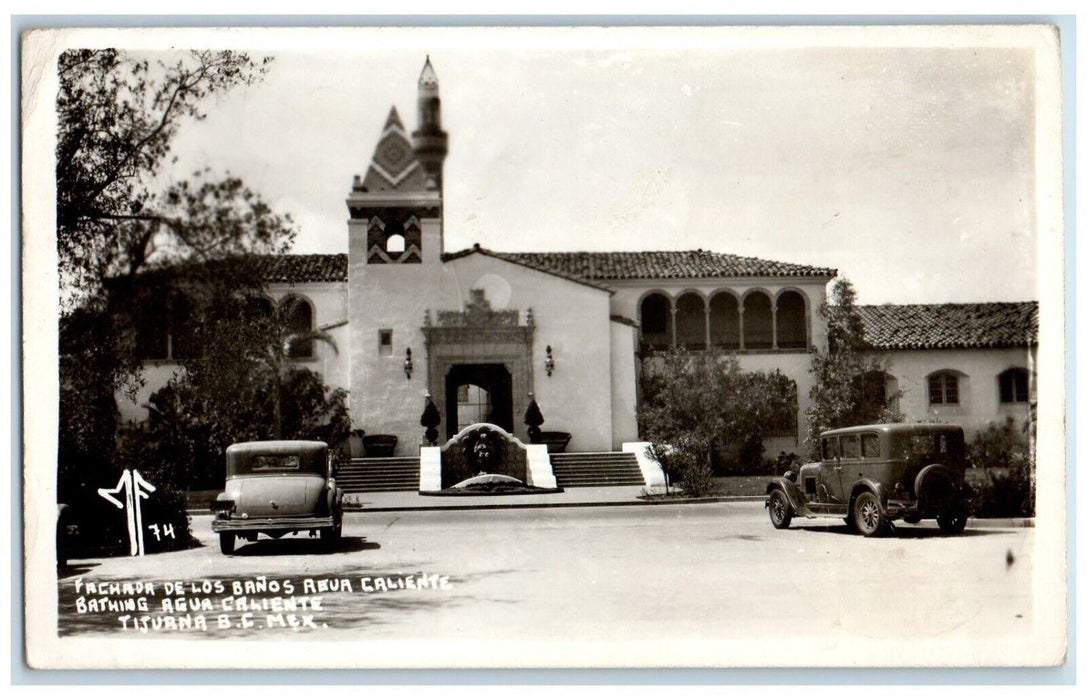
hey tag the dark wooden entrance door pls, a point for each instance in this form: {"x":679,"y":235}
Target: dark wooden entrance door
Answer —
{"x":494,"y":379}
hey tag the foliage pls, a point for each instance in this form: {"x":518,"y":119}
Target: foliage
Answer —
{"x":118,"y":210}
{"x":1005,"y":455}
{"x":190,"y":428}
{"x":245,"y":346}
{"x":242,"y":385}
{"x":534,"y":419}
{"x":692,"y":403}
{"x":848,"y":382}
{"x":128,"y":231}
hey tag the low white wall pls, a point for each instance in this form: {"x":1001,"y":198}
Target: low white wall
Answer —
{"x":540,"y":472}
{"x":430,"y":468}
{"x":651,"y":468}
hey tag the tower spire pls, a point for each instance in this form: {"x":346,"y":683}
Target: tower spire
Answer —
{"x":429,"y":141}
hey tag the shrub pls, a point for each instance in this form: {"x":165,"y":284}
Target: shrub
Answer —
{"x":190,"y":427}
{"x":1004,"y":455}
{"x":685,"y":466}
{"x":698,"y":410}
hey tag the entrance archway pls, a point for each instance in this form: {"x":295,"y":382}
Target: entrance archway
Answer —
{"x":492,"y":378}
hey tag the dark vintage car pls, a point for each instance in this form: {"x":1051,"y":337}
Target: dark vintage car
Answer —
{"x":872,"y":475}
{"x":277,"y":488}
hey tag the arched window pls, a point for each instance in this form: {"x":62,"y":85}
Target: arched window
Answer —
{"x":725,"y":321}
{"x":691,"y":322}
{"x":656,"y":321}
{"x":394,"y":244}
{"x":943,"y":389}
{"x":298,"y":317}
{"x":1014,"y":385}
{"x":758,"y":322}
{"x":792,"y":324}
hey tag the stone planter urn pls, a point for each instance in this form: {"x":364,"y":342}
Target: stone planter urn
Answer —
{"x":379,"y":445}
{"x":555,"y":440}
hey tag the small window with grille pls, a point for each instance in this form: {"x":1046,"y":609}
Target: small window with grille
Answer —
{"x":943,"y":389}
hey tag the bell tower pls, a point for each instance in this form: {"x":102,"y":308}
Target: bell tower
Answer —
{"x":394,"y":271}
{"x":430,"y":142}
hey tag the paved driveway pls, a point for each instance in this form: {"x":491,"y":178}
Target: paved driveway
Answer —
{"x":640,"y":574}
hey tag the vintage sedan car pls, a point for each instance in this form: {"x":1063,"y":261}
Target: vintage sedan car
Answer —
{"x":872,"y":475}
{"x":277,"y":488}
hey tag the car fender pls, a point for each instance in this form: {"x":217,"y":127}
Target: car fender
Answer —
{"x":792,"y":492}
{"x":862,"y":485}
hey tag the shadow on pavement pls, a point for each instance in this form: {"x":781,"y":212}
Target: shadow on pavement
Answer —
{"x":903,"y":532}
{"x":301,"y":545}
{"x":74,"y":570}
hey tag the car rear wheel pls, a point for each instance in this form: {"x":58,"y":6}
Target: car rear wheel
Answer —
{"x":952,"y":523}
{"x":868,"y":516}
{"x":226,"y":542}
{"x":781,"y":513}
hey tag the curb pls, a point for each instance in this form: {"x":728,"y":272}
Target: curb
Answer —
{"x":579,"y":504}
{"x":972,"y":522}
{"x":1000,"y":522}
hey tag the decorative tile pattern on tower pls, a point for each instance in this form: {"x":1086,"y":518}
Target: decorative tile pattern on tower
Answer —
{"x":394,"y":167}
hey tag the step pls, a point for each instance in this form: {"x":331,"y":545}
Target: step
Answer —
{"x":370,"y":472}
{"x":586,"y":469}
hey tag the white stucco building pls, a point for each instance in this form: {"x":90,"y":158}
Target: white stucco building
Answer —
{"x":482,"y":332}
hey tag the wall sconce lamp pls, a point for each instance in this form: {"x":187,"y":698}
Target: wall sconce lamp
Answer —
{"x":408,"y":365}
{"x":549,"y":363}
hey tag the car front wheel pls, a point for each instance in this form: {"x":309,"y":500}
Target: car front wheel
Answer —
{"x":781,"y":513}
{"x":330,"y":536}
{"x":952,"y":523}
{"x":868,"y":516}
{"x":226,"y":542}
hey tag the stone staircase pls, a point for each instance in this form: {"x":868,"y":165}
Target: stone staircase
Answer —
{"x":576,"y":469}
{"x":379,"y":474}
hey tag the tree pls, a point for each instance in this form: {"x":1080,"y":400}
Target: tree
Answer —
{"x":128,"y":229}
{"x":242,"y":385}
{"x":849,"y":382}
{"x":692,"y":403}
{"x":118,"y":210}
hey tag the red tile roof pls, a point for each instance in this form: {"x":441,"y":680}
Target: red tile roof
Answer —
{"x":304,"y":268}
{"x":666,"y":264}
{"x":517,"y":259}
{"x":589,"y":268}
{"x":938,"y":326}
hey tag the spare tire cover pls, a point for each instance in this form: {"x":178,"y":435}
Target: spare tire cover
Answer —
{"x":935,"y":488}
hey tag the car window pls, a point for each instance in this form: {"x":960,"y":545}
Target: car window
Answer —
{"x":870,"y":445}
{"x":274,"y":463}
{"x":929,"y":445}
{"x":830,"y":448}
{"x":851,"y":446}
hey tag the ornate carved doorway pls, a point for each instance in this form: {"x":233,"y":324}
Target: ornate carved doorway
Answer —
{"x":487,"y":349}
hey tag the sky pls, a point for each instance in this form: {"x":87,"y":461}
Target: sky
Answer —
{"x":909,"y":170}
